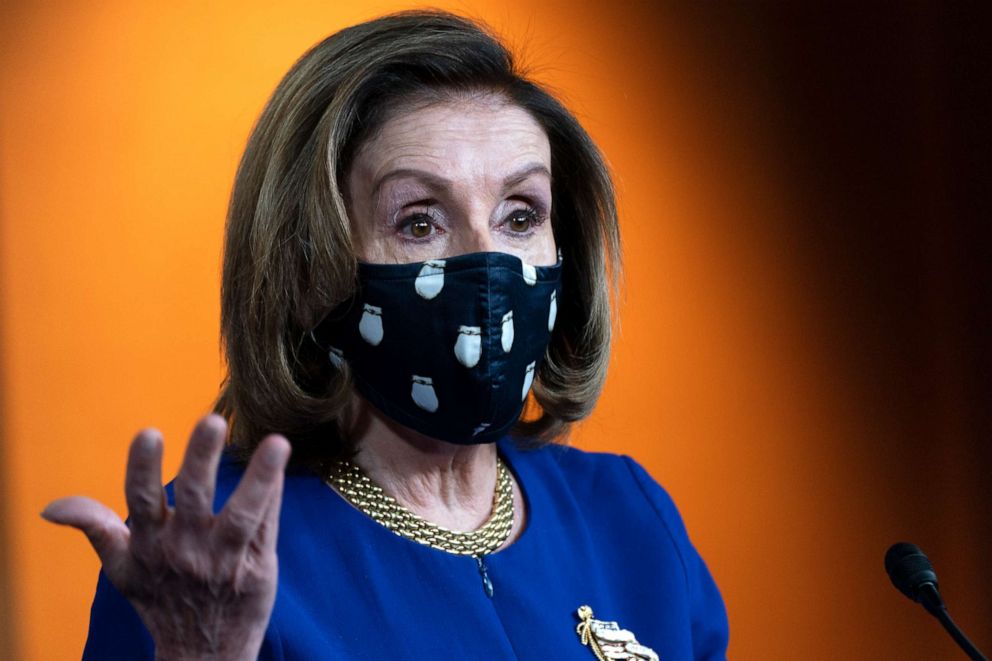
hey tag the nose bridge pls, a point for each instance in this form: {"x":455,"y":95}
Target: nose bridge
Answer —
{"x":480,"y":239}
{"x":477,"y":235}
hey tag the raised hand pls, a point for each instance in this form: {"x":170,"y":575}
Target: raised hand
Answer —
{"x":203,"y":584}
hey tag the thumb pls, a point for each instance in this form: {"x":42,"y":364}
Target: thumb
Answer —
{"x":108,"y":535}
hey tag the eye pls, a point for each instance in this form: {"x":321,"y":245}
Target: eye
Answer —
{"x":521,"y":220}
{"x":420,"y":228}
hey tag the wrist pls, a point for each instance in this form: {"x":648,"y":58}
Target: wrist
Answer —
{"x":246,"y":651}
{"x":190,"y":655}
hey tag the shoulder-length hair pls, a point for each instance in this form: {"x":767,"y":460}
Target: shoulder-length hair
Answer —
{"x":289,"y":256}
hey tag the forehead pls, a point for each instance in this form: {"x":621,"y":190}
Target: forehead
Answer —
{"x":476,"y":139}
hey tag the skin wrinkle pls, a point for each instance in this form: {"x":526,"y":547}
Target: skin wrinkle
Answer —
{"x":452,"y":148}
{"x":198,"y":597}
{"x":444,"y":184}
{"x":208,"y":617}
{"x":272,"y":249}
{"x":477,"y":147}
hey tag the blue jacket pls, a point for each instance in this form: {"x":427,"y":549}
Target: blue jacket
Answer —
{"x":600,"y":532}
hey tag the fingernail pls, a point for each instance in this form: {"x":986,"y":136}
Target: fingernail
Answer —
{"x":213,"y":424}
{"x":274,"y":455}
{"x":150,"y":439}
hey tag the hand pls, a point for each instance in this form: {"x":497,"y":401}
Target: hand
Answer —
{"x":203,"y":584}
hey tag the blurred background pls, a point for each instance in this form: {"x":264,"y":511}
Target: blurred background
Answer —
{"x":803,"y":360}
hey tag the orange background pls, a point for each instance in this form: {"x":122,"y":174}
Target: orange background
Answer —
{"x":800,"y":353}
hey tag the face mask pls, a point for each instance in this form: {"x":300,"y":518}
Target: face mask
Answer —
{"x":447,"y":347}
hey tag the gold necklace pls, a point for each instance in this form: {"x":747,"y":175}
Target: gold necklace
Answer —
{"x":358,"y":489}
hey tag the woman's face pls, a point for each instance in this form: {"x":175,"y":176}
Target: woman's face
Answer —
{"x":471,"y":175}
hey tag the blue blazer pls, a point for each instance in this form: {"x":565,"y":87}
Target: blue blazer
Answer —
{"x":600,"y":532}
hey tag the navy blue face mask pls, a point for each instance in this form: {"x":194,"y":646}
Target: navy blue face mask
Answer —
{"x":447,"y":347}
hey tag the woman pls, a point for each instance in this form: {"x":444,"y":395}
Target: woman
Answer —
{"x":420,"y":242}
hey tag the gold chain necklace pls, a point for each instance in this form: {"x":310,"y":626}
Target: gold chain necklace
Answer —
{"x":352,"y":482}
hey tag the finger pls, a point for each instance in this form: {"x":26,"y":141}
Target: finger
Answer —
{"x":143,"y":490}
{"x":249,"y":505}
{"x":197,"y":478}
{"x":107,"y":533}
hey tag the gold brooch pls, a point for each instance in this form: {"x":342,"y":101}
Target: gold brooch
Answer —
{"x":608,"y":641}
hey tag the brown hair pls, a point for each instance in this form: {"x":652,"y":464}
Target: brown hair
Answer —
{"x":289,"y":256}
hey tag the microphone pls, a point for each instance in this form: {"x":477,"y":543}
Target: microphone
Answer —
{"x":911,"y":572}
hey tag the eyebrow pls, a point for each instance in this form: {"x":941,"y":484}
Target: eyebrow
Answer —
{"x":441,"y":183}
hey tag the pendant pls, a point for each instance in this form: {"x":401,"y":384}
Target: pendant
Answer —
{"x":487,"y":584}
{"x":608,"y":641}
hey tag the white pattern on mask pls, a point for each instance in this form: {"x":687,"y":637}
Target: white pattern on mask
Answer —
{"x":430,"y":280}
{"x":422,"y":393}
{"x":468,"y":346}
{"x":529,"y":273}
{"x":371,"y":325}
{"x":336,"y":356}
{"x":506,"y":338}
{"x":528,"y":380}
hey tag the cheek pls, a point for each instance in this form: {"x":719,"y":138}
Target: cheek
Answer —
{"x":539,"y":249}
{"x":368,"y":246}
{"x":390,"y":250}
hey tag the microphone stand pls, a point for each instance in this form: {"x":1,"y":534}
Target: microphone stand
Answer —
{"x":931,"y":600}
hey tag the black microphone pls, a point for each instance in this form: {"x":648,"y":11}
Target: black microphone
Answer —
{"x":911,"y":572}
